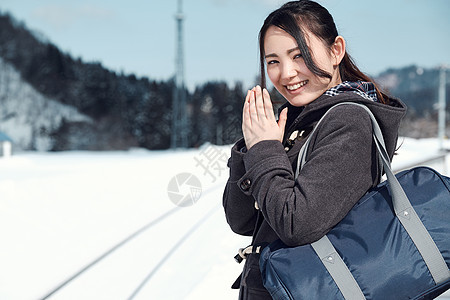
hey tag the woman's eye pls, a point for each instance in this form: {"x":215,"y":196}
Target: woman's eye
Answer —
{"x":298,"y":56}
{"x":271,"y":62}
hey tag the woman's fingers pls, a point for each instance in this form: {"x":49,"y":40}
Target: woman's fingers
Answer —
{"x":252,"y":106}
{"x":282,"y":121}
{"x":260,"y":103}
{"x":259,"y":121}
{"x":268,"y":106}
{"x":246,"y":111}
{"x":264,"y":106}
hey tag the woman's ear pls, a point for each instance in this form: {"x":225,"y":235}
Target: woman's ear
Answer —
{"x":338,"y":49}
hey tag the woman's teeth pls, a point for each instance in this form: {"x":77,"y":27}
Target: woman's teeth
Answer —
{"x":296,"y":86}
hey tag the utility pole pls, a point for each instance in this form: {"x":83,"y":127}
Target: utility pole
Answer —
{"x":442,"y":107}
{"x":179,"y":108}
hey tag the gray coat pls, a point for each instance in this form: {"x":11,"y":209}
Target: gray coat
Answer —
{"x":341,"y":166}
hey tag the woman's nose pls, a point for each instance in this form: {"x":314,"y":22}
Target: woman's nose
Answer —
{"x":289,"y":70}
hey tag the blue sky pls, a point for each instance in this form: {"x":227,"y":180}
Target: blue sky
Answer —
{"x":138,"y":36}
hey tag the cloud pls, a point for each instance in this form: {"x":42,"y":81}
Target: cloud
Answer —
{"x":96,"y":12}
{"x":64,"y":16}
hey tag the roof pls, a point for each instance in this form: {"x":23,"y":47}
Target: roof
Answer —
{"x":4,"y":137}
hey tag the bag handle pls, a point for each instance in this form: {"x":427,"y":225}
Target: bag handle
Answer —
{"x":402,"y":206}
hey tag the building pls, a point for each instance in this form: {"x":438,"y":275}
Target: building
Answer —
{"x":5,"y":145}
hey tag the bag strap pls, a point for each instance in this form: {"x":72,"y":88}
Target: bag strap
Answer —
{"x":338,"y":270}
{"x":301,"y":158}
{"x":402,"y":207}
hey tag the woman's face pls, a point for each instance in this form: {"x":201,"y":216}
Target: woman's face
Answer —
{"x":288,"y":71}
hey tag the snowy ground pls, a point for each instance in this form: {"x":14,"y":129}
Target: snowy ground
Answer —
{"x":60,"y":212}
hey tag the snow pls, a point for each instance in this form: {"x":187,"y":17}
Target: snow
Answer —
{"x":59,"y":212}
{"x":29,"y":116}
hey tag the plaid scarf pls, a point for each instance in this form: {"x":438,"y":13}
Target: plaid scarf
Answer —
{"x":362,"y":88}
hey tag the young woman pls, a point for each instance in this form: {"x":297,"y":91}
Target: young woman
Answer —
{"x":307,"y":62}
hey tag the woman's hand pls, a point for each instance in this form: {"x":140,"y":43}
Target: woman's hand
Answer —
{"x":258,"y":119}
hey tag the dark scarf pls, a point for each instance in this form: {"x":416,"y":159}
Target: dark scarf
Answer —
{"x":364,"y":89}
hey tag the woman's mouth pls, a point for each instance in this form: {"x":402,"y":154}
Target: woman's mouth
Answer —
{"x":297,"y":85}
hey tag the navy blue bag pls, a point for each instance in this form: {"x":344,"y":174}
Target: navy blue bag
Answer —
{"x":393,"y":244}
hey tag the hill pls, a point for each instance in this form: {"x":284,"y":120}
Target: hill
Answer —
{"x":418,"y":88}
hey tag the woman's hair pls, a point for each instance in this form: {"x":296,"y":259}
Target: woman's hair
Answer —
{"x":293,"y":17}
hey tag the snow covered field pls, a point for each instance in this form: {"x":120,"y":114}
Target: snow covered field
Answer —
{"x":108,"y":221}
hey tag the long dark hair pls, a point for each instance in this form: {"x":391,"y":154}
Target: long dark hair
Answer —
{"x":294,"y":15}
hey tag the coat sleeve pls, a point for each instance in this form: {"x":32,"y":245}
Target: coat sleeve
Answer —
{"x":337,"y":173}
{"x":239,"y":207}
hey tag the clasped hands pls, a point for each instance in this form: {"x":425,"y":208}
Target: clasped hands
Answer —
{"x":258,"y":119}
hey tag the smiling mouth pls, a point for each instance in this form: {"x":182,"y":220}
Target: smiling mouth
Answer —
{"x":296,"y":86}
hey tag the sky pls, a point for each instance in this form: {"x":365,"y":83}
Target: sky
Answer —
{"x":220,"y":36}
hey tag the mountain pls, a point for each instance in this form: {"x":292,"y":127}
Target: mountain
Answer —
{"x":123,"y":111}
{"x":416,"y":86}
{"x":419,"y":89}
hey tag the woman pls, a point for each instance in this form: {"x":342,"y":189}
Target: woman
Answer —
{"x":307,"y":63}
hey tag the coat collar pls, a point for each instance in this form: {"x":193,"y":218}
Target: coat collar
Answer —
{"x":307,"y":116}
